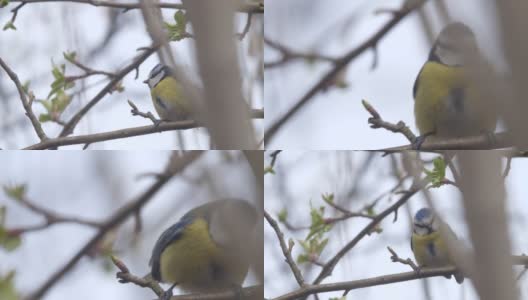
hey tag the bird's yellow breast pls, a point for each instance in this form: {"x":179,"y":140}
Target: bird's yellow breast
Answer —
{"x":198,"y":264}
{"x":169,"y":100}
{"x":435,"y":83}
{"x":189,"y":257}
{"x":430,"y":250}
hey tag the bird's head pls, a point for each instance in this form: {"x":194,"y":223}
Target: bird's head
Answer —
{"x":425,"y":222}
{"x":156,"y":75}
{"x":453,"y":45}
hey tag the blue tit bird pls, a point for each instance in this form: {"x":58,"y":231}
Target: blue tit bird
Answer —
{"x":446,"y":103}
{"x":429,"y":247}
{"x":207,"y":249}
{"x":168,"y":95}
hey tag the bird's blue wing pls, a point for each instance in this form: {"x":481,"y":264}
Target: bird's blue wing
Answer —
{"x":170,"y":235}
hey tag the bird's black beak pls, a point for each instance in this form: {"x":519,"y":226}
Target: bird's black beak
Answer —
{"x":145,"y":81}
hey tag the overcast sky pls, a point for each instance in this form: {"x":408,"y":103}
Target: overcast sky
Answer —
{"x":93,"y":185}
{"x":302,"y":177}
{"x":336,"y":119}
{"x":46,"y":30}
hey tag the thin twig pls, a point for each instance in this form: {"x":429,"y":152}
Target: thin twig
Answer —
{"x":25,"y":102}
{"x":330,"y":265}
{"x":377,"y":122}
{"x":395,"y":258}
{"x":285,"y":249}
{"x":124,"y":276}
{"x":246,"y":28}
{"x":51,"y":218}
{"x":122,"y":133}
{"x":364,"y":283}
{"x":290,"y":55}
{"x":479,"y":142}
{"x":70,"y":125}
{"x":338,"y":67}
{"x":257,"y":8}
{"x":176,"y":165}
{"x":148,"y":115}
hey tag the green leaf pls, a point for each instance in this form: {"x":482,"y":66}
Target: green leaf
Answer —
{"x":9,"y":25}
{"x":4,"y":3}
{"x":9,"y":240}
{"x":312,"y":249}
{"x":302,"y":258}
{"x":44,"y":118}
{"x":69,"y":56}
{"x":177,"y":30}
{"x":60,"y":102}
{"x":437,"y":175}
{"x":15,"y":192}
{"x":283,"y":215}
{"x":179,"y":18}
{"x":318,"y":224}
{"x":7,"y":287}
{"x":328,"y":198}
{"x":46,"y":103}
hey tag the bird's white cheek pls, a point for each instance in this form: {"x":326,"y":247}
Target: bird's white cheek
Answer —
{"x":152,"y":82}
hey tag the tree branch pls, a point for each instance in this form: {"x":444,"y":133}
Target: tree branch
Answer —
{"x":246,"y":7}
{"x":330,"y":265}
{"x":70,"y":125}
{"x":340,"y":65}
{"x":285,"y":250}
{"x":176,"y":165}
{"x":479,"y":142}
{"x":124,"y":276}
{"x":123,"y":133}
{"x":51,"y":218}
{"x":379,"y":280}
{"x":289,"y":55}
{"x":25,"y":102}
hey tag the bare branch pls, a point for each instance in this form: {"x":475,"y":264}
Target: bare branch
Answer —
{"x":330,"y":265}
{"x":123,"y":133}
{"x":395,"y":258}
{"x":70,"y":125}
{"x":343,"y":62}
{"x":246,"y":7}
{"x":285,"y":250}
{"x":290,"y":55}
{"x":380,"y":280}
{"x":176,"y":165}
{"x":479,"y":142}
{"x":25,"y":102}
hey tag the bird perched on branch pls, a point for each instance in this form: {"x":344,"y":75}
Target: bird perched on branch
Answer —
{"x":168,"y":95}
{"x":208,"y":249}
{"x":429,"y":246}
{"x":447,"y":102}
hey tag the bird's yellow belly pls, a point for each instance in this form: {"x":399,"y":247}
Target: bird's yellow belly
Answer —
{"x":430,"y":250}
{"x":197,"y":264}
{"x":446,"y":106}
{"x":169,"y":100}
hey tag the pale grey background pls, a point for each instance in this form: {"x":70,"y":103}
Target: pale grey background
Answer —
{"x":303,"y":176}
{"x":94,"y":185}
{"x":336,"y":119}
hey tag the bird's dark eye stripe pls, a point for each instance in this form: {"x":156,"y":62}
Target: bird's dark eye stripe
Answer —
{"x":157,"y":69}
{"x":421,"y":225}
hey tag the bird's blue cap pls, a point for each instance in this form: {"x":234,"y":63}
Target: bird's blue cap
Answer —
{"x":423,"y":213}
